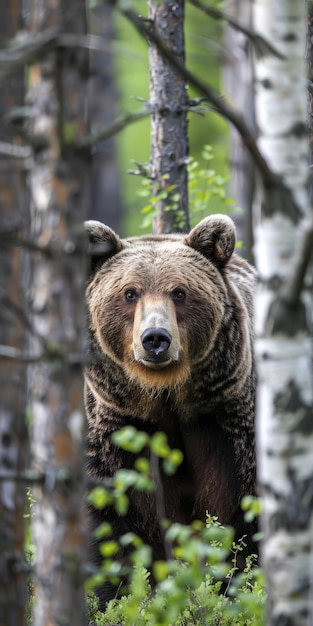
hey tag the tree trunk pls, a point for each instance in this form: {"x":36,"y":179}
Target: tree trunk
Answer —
{"x":60,"y":192}
{"x":239,"y":90}
{"x":284,"y":307}
{"x":309,"y":40}
{"x":106,"y":197}
{"x":13,"y":284}
{"x":169,"y":102}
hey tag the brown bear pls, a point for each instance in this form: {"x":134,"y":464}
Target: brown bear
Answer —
{"x":171,"y":320}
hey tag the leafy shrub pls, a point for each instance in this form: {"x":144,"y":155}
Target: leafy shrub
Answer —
{"x":197,"y":585}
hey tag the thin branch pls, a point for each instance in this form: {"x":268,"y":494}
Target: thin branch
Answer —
{"x":25,"y":49}
{"x":15,"y":151}
{"x":54,"y":476}
{"x":262,"y":46}
{"x":293,"y":287}
{"x":91,"y":42}
{"x":160,"y":504}
{"x":143,"y":170}
{"x":28,"y":47}
{"x":130,"y":118}
{"x":50,"y":353}
{"x":14,"y":354}
{"x":10,"y":238}
{"x":114,"y":128}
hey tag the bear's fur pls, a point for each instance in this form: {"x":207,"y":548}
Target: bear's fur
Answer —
{"x":171,"y":317}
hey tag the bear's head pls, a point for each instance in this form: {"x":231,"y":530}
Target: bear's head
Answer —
{"x":156,"y":303}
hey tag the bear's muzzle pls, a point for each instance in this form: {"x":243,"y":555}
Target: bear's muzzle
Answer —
{"x":156,"y":342}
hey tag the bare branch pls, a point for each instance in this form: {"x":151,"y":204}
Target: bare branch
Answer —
{"x":27,"y":48}
{"x":294,"y":285}
{"x":130,"y":118}
{"x":60,"y":475}
{"x":261,"y":46}
{"x":15,"y":151}
{"x":9,"y":238}
{"x":143,"y":170}
{"x":72,"y":358}
{"x":114,"y":128}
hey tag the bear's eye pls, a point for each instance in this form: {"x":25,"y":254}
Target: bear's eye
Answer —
{"x":179,"y":295}
{"x":130,"y":295}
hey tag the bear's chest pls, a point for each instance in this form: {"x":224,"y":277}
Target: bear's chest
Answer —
{"x":208,"y":471}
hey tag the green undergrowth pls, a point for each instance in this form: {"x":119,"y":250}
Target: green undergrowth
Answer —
{"x":181,"y":599}
{"x":199,"y":584}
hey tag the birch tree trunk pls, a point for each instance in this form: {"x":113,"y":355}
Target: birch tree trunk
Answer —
{"x":284,"y":309}
{"x":169,"y":103}
{"x":238,"y":77}
{"x":60,"y":192}
{"x":13,"y":283}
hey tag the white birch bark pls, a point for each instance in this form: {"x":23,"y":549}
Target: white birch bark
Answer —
{"x":284,"y":309}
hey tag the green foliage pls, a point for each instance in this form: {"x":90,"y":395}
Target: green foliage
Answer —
{"x":197,"y":585}
{"x":186,"y":595}
{"x":155,"y":195}
{"x":206,"y":188}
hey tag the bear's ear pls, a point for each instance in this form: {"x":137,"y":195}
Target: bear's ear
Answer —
{"x":214,"y":237}
{"x":103,"y":243}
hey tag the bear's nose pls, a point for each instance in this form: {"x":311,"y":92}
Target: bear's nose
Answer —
{"x":156,"y":340}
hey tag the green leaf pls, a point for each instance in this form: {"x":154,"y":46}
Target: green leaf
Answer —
{"x":122,"y":504}
{"x":108,"y":548}
{"x":104,"y":530}
{"x":143,"y":193}
{"x":160,"y":570}
{"x":142,"y":465}
{"x":142,"y":555}
{"x":125,"y":478}
{"x":94,"y":581}
{"x":130,"y":439}
{"x":99,"y":497}
{"x":69,"y":132}
{"x":159,"y":445}
{"x":147,"y":209}
{"x":130,"y":539}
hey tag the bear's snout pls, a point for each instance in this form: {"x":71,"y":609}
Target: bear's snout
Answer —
{"x":156,"y":341}
{"x":156,"y":337}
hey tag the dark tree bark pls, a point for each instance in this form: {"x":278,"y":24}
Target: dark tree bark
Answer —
{"x":13,"y":284}
{"x":60,"y":193}
{"x":169,"y":102}
{"x":310,"y":92}
{"x":239,"y":90}
{"x":106,"y":197}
